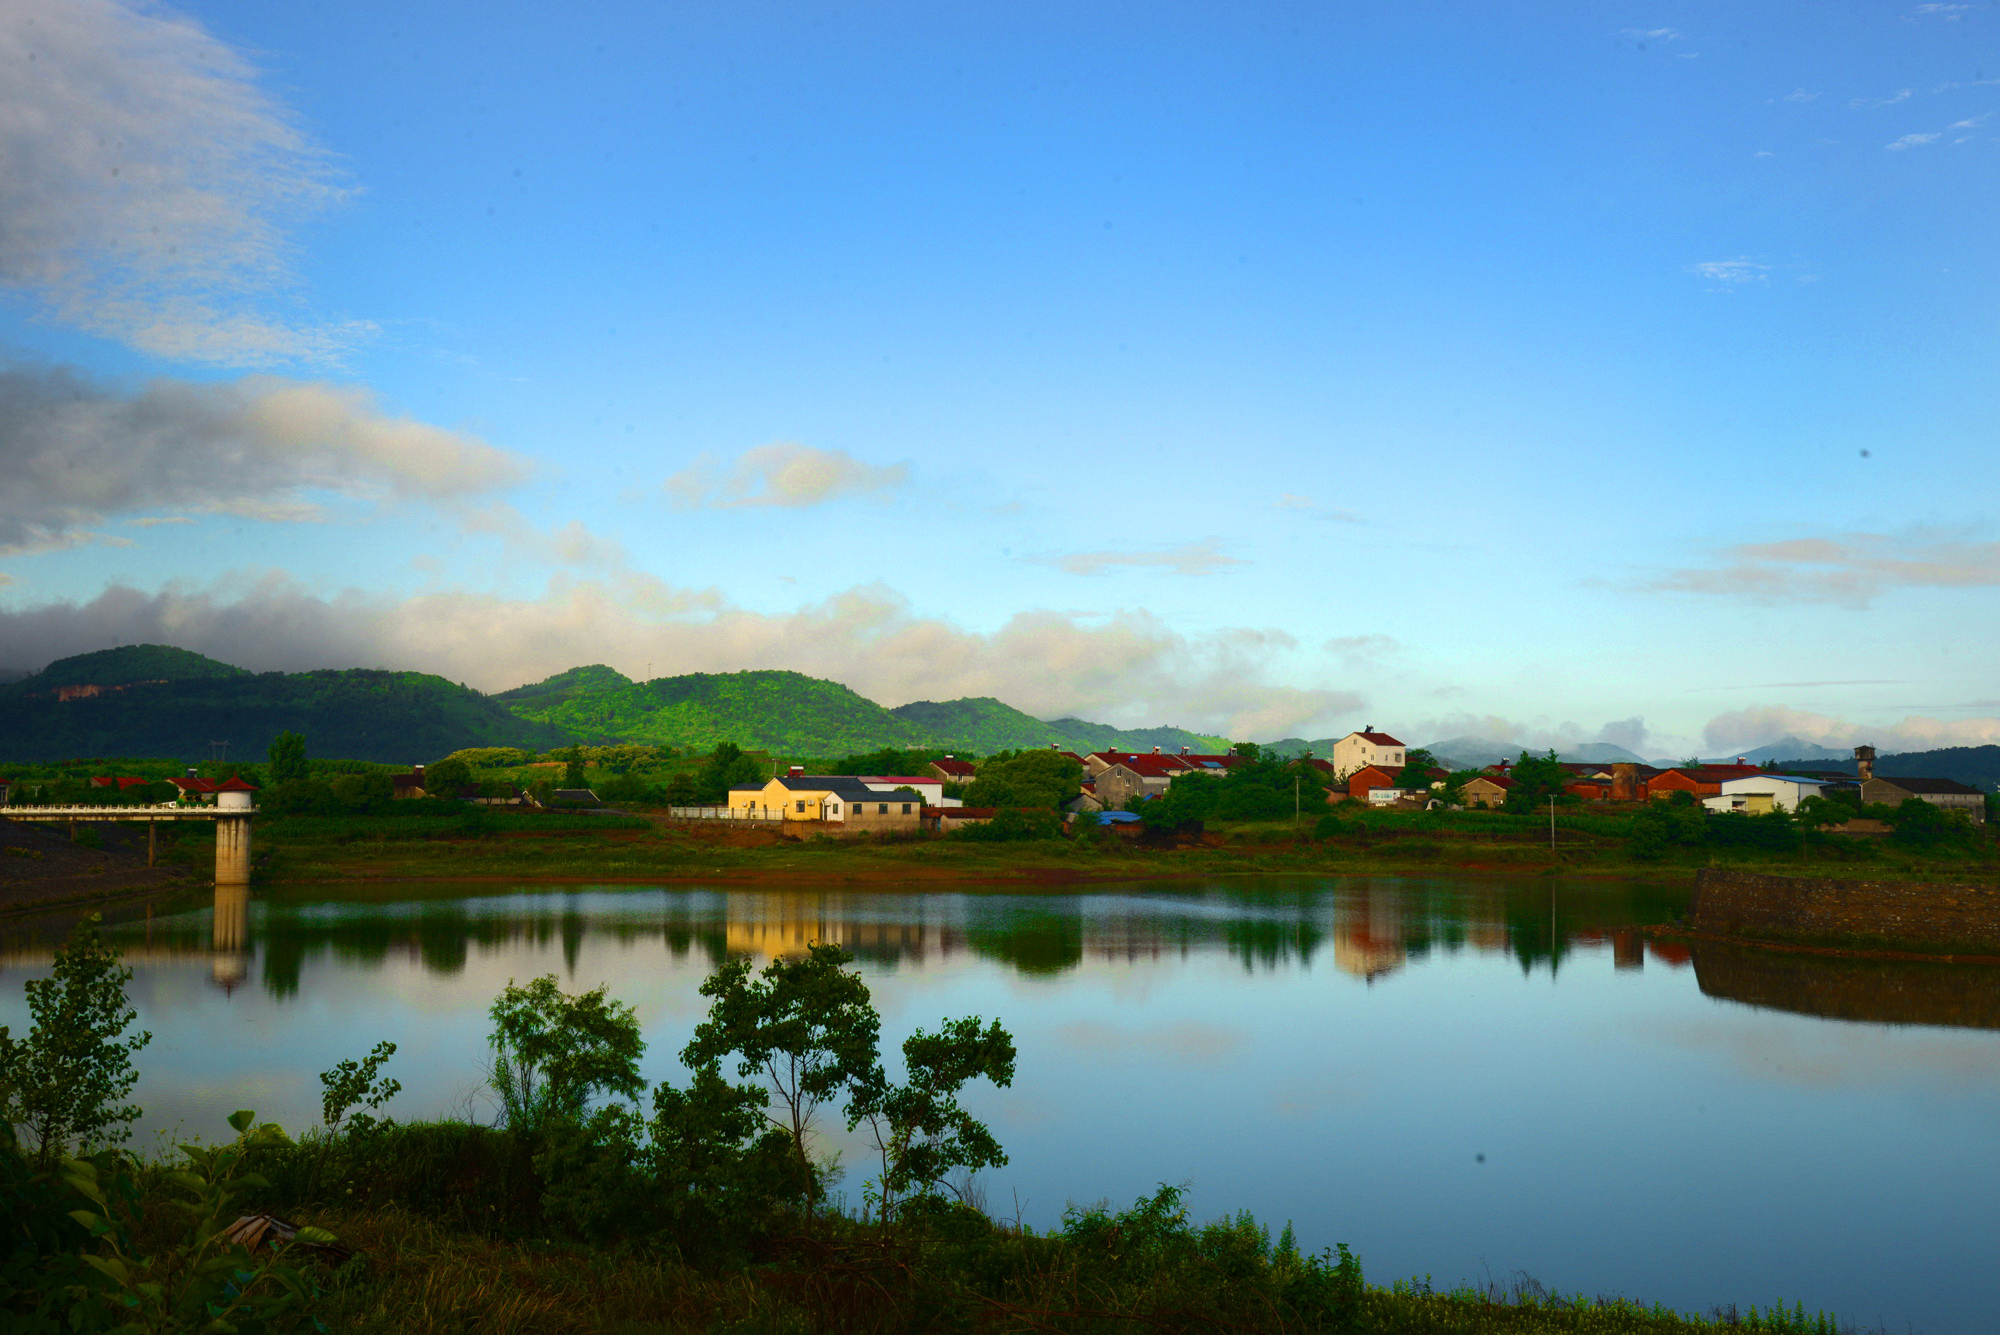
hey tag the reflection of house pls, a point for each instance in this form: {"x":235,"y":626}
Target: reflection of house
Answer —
{"x":786,"y":925}
{"x":1358,"y":750}
{"x":1368,"y":934}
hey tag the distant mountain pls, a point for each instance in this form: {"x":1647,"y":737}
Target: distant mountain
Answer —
{"x":1791,"y":748}
{"x":983,"y":725}
{"x":1478,"y":752}
{"x":1288,"y":747}
{"x":565,"y":685}
{"x":1976,"y":765}
{"x":155,"y":700}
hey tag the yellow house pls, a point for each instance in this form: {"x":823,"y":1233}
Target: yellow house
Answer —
{"x":834,"y":798}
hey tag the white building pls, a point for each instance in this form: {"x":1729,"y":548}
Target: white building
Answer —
{"x":1761,"y":794}
{"x":1358,"y":750}
{"x":930,"y":789}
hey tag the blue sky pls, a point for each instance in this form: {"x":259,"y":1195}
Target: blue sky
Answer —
{"x":1575,"y":371}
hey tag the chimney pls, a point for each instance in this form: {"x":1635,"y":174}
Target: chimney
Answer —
{"x":418,"y":770}
{"x":949,"y":756}
{"x":1055,"y":746}
{"x":796,"y":770}
{"x":191,"y":772}
{"x":1186,"y":749}
{"x":1156,"y":750}
{"x":1864,"y":763}
{"x":1741,"y":761}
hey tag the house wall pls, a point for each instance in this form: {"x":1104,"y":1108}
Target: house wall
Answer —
{"x":1886,"y":790}
{"x":1483,"y":793}
{"x":1353,"y":752}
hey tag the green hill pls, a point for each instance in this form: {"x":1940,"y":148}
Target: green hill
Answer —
{"x":787,"y":712}
{"x":983,"y":725}
{"x":358,"y":714}
{"x":133,"y":663}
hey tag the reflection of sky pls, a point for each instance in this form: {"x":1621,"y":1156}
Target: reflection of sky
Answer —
{"x":1302,"y":1054}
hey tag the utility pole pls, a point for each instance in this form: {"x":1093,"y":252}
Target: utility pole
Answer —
{"x":1295,"y":801}
{"x":1552,"y":824}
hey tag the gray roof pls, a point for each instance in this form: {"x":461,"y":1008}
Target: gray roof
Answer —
{"x":843,"y":785}
{"x":1933,"y":786}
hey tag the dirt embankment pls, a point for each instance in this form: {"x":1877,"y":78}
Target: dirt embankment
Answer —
{"x":41,"y":868}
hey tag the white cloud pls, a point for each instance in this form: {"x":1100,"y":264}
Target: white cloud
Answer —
{"x":1128,"y":667}
{"x":1909,"y":141}
{"x":1734,"y":272}
{"x":1801,"y":95}
{"x":74,"y":451}
{"x":1205,"y":557}
{"x":148,"y":182}
{"x":1950,"y":13}
{"x":1870,"y":103}
{"x":1852,"y":568}
{"x":1651,"y":34}
{"x":1765,"y":723}
{"x":781,"y":474}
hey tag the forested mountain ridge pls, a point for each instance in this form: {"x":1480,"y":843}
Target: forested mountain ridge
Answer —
{"x":766,"y":710}
{"x":983,"y":725}
{"x":357,"y":713}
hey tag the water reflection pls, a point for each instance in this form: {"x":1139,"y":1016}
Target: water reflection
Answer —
{"x":1375,"y":926}
{"x":1965,"y":996}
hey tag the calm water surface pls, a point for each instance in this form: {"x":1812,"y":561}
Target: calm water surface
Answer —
{"x":1457,"y":1078}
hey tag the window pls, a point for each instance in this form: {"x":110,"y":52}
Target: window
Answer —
{"x":802,"y":804}
{"x":881,"y":808}
{"x":833,"y":810}
{"x":906,"y":808}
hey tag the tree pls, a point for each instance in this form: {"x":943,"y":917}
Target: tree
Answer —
{"x":573,"y":776}
{"x":725,"y":767}
{"x":553,"y":1052}
{"x":358,"y":1084}
{"x":1419,"y":768}
{"x":288,"y":758}
{"x":64,"y":1082}
{"x":1030,"y":779}
{"x":807,"y":1026}
{"x":1536,"y":780}
{"x":921,"y":1131}
{"x":446,"y":777}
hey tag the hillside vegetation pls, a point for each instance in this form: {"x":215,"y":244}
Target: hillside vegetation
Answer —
{"x":360,"y":713}
{"x":792,"y":714}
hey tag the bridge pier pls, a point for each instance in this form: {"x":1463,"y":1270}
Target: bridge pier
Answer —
{"x":232,"y":850}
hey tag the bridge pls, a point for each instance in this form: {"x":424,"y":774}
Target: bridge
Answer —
{"x":232,"y":827}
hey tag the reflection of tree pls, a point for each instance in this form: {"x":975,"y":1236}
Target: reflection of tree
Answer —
{"x":1273,"y":941}
{"x":1038,"y":943}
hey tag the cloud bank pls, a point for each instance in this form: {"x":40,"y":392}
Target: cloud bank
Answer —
{"x":147,"y":182}
{"x":74,"y":452}
{"x":1852,"y":568}
{"x":1765,"y":723}
{"x":1127,"y":668}
{"x":780,"y":474}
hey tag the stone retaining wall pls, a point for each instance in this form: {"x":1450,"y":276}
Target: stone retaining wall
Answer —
{"x":1924,"y":915}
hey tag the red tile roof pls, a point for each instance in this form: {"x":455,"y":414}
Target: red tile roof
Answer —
{"x":194,"y":785}
{"x":962,"y":767}
{"x":1151,"y":767}
{"x":235,"y":783}
{"x":897,"y":778}
{"x":1378,"y":738}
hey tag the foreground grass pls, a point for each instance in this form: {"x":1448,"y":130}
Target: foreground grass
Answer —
{"x":414,"y":1277}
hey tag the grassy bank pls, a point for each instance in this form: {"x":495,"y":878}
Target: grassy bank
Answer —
{"x":611,"y":849}
{"x":450,"y":1231}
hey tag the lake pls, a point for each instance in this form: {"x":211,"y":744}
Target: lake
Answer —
{"x":1459,"y":1078}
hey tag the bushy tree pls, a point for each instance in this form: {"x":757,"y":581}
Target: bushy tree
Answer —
{"x":1667,"y":824}
{"x":726,"y":767}
{"x":1536,"y":780}
{"x":1029,"y":779}
{"x":446,"y":777}
{"x":806,"y":1026}
{"x":921,"y":1131}
{"x":1420,"y":767}
{"x":1921,"y":824}
{"x":573,"y":775}
{"x":288,"y":758}
{"x":65,"y":1082}
{"x":553,"y":1052}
